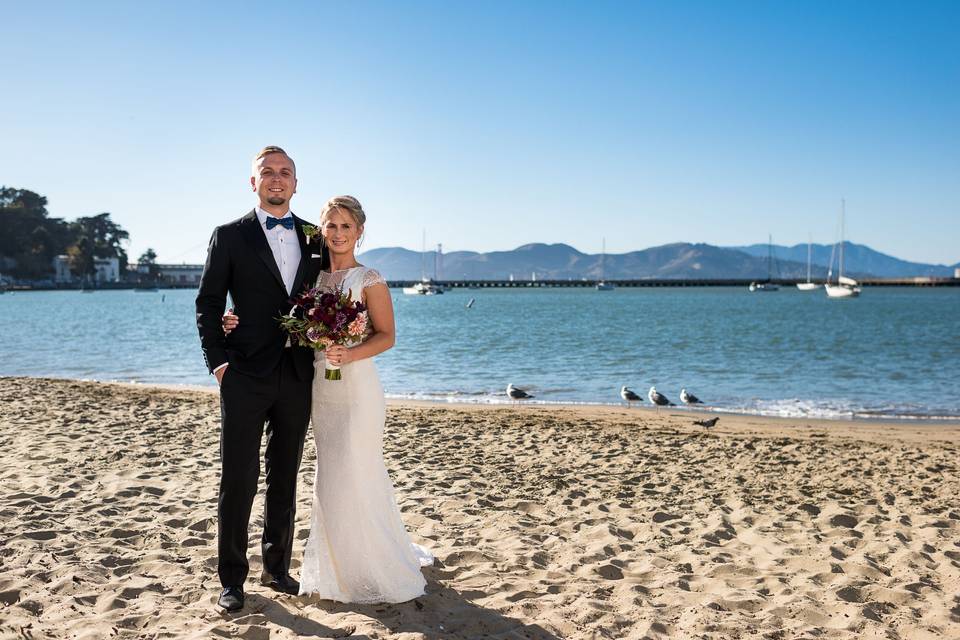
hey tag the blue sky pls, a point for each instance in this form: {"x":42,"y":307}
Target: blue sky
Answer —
{"x":491,"y":125}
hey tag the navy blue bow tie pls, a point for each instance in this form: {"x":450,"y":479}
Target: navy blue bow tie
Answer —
{"x":286,"y":223}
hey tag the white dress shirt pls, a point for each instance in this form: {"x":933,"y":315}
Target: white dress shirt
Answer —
{"x":285,"y":247}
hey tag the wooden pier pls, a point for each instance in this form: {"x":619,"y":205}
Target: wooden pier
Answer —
{"x":667,"y":282}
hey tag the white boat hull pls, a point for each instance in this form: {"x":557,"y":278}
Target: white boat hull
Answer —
{"x":837,"y":291}
{"x":605,"y":286}
{"x":423,"y":289}
{"x":808,"y":286}
{"x":764,"y":286}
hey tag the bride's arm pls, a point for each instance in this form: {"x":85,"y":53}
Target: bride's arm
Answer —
{"x":380,"y":315}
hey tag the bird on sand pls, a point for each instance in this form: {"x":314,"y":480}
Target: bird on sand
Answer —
{"x":629,"y":396}
{"x":707,"y":423}
{"x":517,"y":394}
{"x":689,"y":398}
{"x":659,"y":399}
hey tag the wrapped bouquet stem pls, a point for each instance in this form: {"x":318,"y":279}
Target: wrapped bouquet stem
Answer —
{"x":331,"y":371}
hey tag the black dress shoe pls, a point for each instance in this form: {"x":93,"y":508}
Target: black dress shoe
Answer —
{"x":231,"y":598}
{"x":282,"y":583}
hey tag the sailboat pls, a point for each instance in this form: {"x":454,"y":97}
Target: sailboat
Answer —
{"x":603,"y":285}
{"x":768,"y":284}
{"x":808,"y":285}
{"x":426,"y":286}
{"x":845,"y":287}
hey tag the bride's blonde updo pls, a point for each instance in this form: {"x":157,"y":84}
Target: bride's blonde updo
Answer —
{"x":348,"y":204}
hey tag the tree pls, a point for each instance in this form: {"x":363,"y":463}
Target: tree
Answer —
{"x":29,"y":240}
{"x":81,"y":255}
{"x":149,"y":258}
{"x":105,"y":236}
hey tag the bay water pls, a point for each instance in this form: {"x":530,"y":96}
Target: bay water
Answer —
{"x":893,"y":352}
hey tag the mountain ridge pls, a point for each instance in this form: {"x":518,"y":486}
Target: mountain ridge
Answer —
{"x":859,"y":257}
{"x":678,"y":260}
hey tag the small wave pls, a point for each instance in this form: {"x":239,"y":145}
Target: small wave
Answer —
{"x":834,"y":410}
{"x":781,"y":408}
{"x":487,"y":398}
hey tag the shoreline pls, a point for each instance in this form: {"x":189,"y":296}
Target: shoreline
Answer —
{"x":584,"y":409}
{"x":495,"y":284}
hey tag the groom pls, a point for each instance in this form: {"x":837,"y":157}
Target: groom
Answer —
{"x":260,"y":260}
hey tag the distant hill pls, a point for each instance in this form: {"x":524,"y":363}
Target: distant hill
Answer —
{"x":563,"y":262}
{"x":857,"y":258}
{"x":677,"y":261}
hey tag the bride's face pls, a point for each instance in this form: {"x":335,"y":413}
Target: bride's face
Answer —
{"x":340,"y":232}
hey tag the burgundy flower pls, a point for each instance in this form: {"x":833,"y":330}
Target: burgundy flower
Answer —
{"x":328,"y":300}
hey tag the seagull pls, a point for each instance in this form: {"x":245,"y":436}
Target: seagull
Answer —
{"x":659,"y":399}
{"x":706,"y":423}
{"x":629,"y":396}
{"x":689,"y":398}
{"x":517,"y":394}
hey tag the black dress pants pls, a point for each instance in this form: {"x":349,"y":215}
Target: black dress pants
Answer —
{"x":281,"y":401}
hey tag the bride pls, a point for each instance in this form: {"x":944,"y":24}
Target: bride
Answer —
{"x":358,"y":550}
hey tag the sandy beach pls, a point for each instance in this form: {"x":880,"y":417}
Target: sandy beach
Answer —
{"x":547,"y":522}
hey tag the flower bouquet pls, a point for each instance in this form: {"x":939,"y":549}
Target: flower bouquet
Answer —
{"x":319,"y":320}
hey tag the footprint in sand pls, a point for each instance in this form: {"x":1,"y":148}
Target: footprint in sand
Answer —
{"x":660,"y":516}
{"x":610,"y":572}
{"x":204,"y":525}
{"x":39,"y":535}
{"x":844,"y":520}
{"x":850,"y":594}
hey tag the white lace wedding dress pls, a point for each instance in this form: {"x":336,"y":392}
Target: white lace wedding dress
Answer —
{"x":358,"y":549}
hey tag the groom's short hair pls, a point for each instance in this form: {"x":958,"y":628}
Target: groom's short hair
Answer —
{"x":267,"y":151}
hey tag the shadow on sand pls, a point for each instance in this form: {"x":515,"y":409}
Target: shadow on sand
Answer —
{"x":442,"y":614}
{"x":260,"y":611}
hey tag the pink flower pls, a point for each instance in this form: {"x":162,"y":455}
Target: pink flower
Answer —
{"x":358,"y":326}
{"x":325,"y":342}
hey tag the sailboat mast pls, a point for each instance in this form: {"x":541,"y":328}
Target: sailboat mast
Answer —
{"x":809,"y":254}
{"x":843,"y":212}
{"x":603,"y":258}
{"x":769,"y":257}
{"x":423,"y":256}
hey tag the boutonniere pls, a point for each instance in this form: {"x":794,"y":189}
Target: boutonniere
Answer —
{"x":310,"y":231}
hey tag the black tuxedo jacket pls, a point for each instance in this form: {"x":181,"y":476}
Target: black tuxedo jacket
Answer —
{"x":239,"y":262}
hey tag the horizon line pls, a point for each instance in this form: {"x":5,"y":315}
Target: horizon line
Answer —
{"x":681,"y":242}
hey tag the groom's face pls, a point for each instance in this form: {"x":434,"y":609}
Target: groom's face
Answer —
{"x":274,"y":179}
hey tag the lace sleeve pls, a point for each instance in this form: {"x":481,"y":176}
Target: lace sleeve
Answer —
{"x":372,"y":277}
